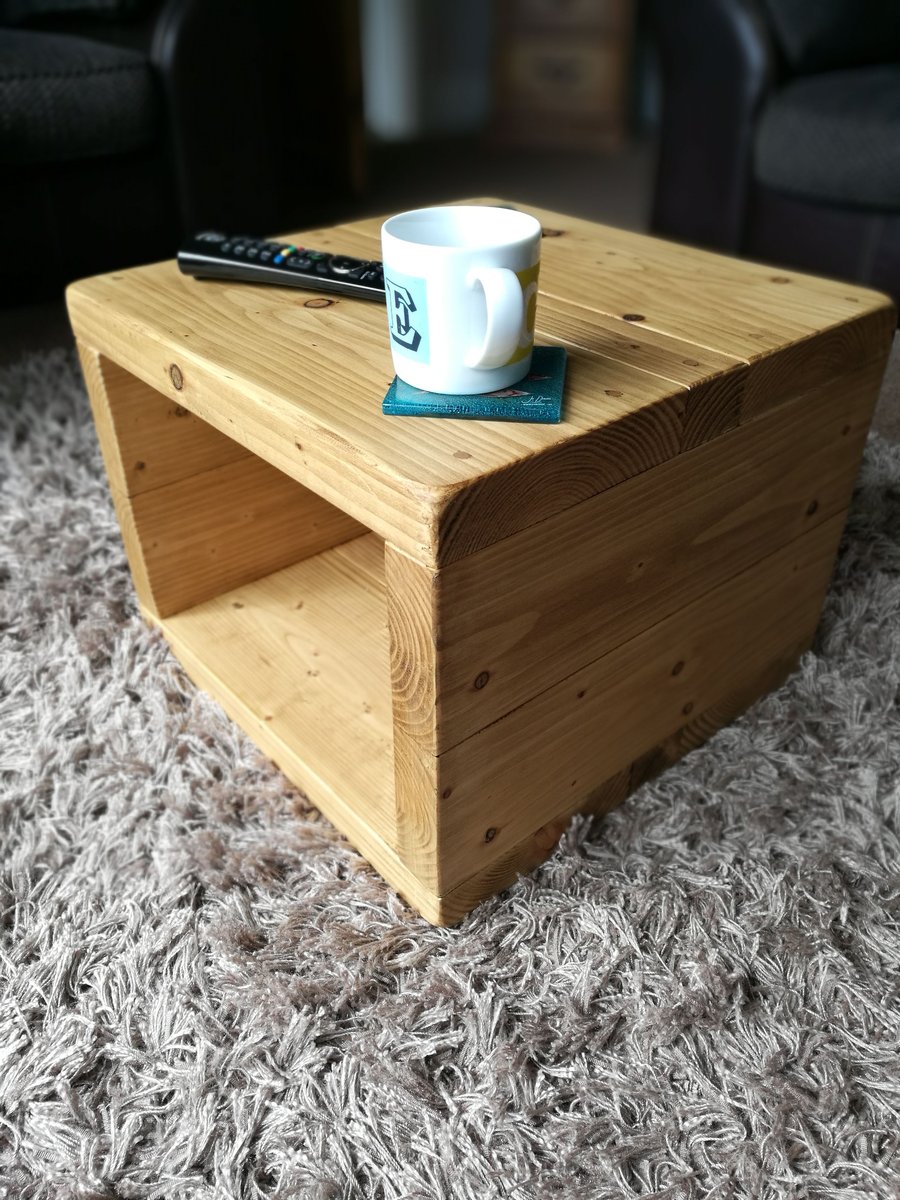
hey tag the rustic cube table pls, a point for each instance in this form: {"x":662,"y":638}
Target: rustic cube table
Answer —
{"x":454,"y":634}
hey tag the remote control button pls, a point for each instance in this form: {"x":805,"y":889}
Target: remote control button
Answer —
{"x":342,"y":265}
{"x":265,"y":255}
{"x":316,"y":255}
{"x":252,"y":251}
{"x":225,"y":247}
{"x":210,"y":236}
{"x":240,"y":248}
{"x":278,"y":259}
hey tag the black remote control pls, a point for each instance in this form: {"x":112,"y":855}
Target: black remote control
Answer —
{"x":212,"y":255}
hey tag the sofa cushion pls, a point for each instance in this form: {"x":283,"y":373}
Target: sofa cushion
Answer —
{"x":64,"y":98}
{"x":17,"y":12}
{"x":825,"y":35}
{"x":834,"y":138}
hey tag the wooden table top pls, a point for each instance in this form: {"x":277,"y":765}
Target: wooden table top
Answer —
{"x":667,"y":347}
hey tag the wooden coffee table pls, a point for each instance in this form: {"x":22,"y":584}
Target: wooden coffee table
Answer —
{"x":454,"y":634}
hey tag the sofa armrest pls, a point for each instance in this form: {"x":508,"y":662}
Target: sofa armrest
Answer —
{"x":717,"y":65}
{"x":265,"y":110}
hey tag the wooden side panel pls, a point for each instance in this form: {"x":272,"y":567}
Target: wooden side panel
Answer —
{"x":158,"y":440}
{"x":700,"y":728}
{"x":103,"y":403}
{"x":199,"y":515}
{"x":544,"y":757}
{"x":857,"y":350}
{"x":538,"y":846}
{"x":411,"y":608}
{"x":522,"y":614}
{"x":500,"y":504}
{"x":525,"y":856}
{"x":215,"y":531}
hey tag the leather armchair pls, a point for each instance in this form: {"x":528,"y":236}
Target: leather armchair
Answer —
{"x":780,"y":132}
{"x":125,"y":124}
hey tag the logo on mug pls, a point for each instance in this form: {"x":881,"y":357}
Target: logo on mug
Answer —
{"x":407,"y":317}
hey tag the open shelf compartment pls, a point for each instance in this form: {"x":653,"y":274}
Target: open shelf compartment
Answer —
{"x":300,"y":660}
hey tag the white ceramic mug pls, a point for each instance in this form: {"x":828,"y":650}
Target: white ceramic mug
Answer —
{"x":461,"y":284}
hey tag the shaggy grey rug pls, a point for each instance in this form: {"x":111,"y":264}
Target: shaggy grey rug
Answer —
{"x":206,"y":993}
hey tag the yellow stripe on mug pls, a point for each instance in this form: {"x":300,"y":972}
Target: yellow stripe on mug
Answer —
{"x":529,"y":281}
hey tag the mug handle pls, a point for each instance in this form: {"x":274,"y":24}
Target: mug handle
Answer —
{"x":505,"y":316}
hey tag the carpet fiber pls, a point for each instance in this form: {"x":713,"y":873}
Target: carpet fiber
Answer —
{"x":205,"y":993}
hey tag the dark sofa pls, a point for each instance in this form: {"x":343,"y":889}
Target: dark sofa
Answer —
{"x":126,"y":123}
{"x":780,"y":132}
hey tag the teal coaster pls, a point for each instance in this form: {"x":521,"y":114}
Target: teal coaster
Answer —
{"x":537,"y":397}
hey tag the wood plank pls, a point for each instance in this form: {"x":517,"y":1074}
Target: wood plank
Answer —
{"x":701,"y":727}
{"x":714,"y":383}
{"x":497,"y":504}
{"x":526,"y":612}
{"x":102,"y":399}
{"x":341,"y":808}
{"x":801,"y":369}
{"x":524,"y":857}
{"x":193,"y":535}
{"x":537,"y":847}
{"x":411,"y":599}
{"x":216,"y":531}
{"x":302,"y":657}
{"x":539,"y":760}
{"x":159,"y":440}
{"x":731,"y":306}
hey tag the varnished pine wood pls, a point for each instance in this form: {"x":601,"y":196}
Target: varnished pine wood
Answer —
{"x":159,"y":441}
{"x":270,"y":368}
{"x":527,"y":611}
{"x":207,"y":521}
{"x":412,"y":623}
{"x":513,"y":774}
{"x":527,"y":854}
{"x":540,"y":613}
{"x":305,"y":651}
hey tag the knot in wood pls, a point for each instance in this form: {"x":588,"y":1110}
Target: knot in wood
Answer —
{"x":176,"y":376}
{"x":482,"y":679}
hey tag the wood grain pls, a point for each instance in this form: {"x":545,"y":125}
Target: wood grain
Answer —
{"x":159,"y":441}
{"x":528,"y":854}
{"x":412,"y":626}
{"x":541,"y":616}
{"x":205,"y":523}
{"x":527,"y":611}
{"x":304,"y":651}
{"x":517,"y":773}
